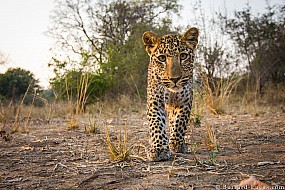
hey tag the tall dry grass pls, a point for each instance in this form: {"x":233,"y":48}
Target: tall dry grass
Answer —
{"x":212,"y":95}
{"x":250,"y":101}
{"x":12,"y":113}
{"x":219,"y":92}
{"x":233,"y":95}
{"x":77,"y":106}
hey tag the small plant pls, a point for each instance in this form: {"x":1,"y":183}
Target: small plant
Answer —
{"x":197,"y":120}
{"x":93,"y":127}
{"x":198,"y":105}
{"x":171,"y":172}
{"x":212,"y":156}
{"x":193,"y":150}
{"x":211,"y":141}
{"x":72,"y":124}
{"x":119,"y":151}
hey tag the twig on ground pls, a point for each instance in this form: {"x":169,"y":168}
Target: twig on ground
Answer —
{"x":90,"y":178}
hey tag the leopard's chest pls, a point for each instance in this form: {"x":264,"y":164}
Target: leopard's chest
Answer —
{"x":177,"y":99}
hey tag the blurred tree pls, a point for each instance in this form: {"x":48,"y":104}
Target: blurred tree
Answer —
{"x":15,"y":82}
{"x":214,"y":58}
{"x":105,"y":37}
{"x":261,"y":40}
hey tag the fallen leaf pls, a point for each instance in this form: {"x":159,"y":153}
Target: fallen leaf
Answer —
{"x":254,"y":184}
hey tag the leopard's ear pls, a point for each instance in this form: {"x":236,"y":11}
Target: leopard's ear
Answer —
{"x":191,"y":37}
{"x":150,"y":42}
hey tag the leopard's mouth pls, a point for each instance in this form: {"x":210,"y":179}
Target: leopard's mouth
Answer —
{"x":175,"y":85}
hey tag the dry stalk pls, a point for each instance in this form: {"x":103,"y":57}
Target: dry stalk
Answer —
{"x":119,"y":151}
{"x":16,"y":121}
{"x":217,"y":96}
{"x":30,"y":112}
{"x":211,"y":140}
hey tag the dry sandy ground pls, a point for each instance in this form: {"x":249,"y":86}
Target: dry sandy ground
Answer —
{"x":52,"y":157}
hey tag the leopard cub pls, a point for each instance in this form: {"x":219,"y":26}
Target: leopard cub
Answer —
{"x":169,"y":91}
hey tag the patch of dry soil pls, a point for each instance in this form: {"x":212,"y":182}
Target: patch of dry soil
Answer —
{"x":52,"y":157}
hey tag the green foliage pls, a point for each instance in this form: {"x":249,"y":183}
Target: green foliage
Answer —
{"x":127,"y":64}
{"x":212,"y":157}
{"x":103,"y":40}
{"x":261,"y":40}
{"x":71,"y":81}
{"x":15,"y":82}
{"x":198,"y":119}
{"x":47,"y":94}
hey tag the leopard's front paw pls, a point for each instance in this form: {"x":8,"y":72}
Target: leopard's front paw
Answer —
{"x":178,"y":147}
{"x":158,"y":154}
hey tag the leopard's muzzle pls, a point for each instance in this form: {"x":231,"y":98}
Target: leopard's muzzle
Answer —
{"x":173,"y":77}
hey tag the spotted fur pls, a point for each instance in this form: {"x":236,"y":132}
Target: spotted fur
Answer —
{"x":169,"y":91}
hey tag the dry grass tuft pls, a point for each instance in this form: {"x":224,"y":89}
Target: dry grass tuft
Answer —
{"x":77,"y":106}
{"x":120,"y":150}
{"x":218,"y":95}
{"x":211,"y":140}
{"x":92,"y":127}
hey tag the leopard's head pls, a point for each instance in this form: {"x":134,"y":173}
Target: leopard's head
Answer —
{"x":172,"y":57}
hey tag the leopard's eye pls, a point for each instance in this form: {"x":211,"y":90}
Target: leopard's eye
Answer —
{"x":183,"y":56}
{"x":162,"y":58}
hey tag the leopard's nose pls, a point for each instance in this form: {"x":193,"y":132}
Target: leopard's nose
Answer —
{"x":175,"y":80}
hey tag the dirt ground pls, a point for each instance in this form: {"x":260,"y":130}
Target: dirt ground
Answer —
{"x":52,"y":157}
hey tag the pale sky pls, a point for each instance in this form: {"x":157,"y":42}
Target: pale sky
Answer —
{"x":23,"y":23}
{"x":22,"y":39}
